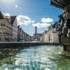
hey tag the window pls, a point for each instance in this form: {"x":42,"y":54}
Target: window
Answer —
{"x":2,"y":24}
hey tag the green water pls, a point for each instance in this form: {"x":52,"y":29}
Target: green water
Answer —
{"x":36,"y":58}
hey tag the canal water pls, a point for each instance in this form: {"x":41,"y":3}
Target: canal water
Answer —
{"x":36,"y":58}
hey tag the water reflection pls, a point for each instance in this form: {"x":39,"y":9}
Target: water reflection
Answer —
{"x":37,"y":58}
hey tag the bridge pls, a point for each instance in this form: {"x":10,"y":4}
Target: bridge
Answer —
{"x":24,"y":44}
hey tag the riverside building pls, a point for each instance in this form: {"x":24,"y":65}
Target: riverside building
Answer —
{"x":8,"y":28}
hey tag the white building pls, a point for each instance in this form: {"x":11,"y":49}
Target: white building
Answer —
{"x":50,"y":37}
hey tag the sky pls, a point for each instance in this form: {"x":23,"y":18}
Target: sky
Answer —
{"x":31,"y":13}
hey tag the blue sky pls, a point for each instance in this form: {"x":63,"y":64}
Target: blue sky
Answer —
{"x":34,"y":9}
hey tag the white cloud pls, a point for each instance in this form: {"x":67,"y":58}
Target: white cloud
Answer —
{"x":24,"y":20}
{"x":16,"y":6}
{"x":44,"y":23}
{"x":41,"y":25}
{"x":7,"y":1}
{"x":47,"y":20}
{"x":36,"y":25}
{"x":33,"y":21}
{"x":6,"y":14}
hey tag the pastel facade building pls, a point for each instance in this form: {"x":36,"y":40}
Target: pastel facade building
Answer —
{"x":50,"y":37}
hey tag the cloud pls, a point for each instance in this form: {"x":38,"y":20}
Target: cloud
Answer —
{"x":24,"y":20}
{"x":7,"y":1}
{"x":6,"y":14}
{"x":16,"y":6}
{"x":47,"y":20}
{"x":41,"y":25}
{"x":36,"y":25}
{"x":44,"y":23}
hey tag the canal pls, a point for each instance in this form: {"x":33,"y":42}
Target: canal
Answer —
{"x":47,"y":57}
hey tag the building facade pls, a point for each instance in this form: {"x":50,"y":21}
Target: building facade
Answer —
{"x":64,"y":21}
{"x":23,"y":36}
{"x":14,"y":28}
{"x":5,"y":29}
{"x":8,"y":28}
{"x":50,"y":36}
{"x":9,"y":31}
